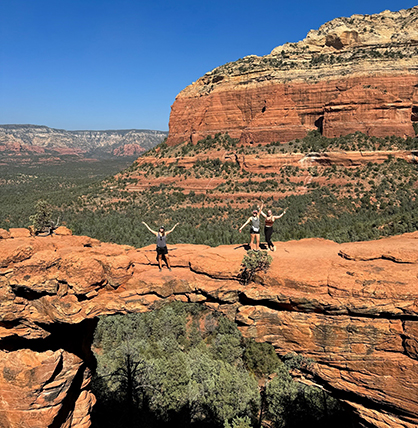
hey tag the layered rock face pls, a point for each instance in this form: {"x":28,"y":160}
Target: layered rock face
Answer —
{"x":257,"y":164}
{"x":352,"y":74}
{"x":351,"y":308}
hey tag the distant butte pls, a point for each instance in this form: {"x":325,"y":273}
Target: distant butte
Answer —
{"x":352,"y":74}
{"x":351,"y":308}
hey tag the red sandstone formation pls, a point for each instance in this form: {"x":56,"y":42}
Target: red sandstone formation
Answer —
{"x":18,"y":148}
{"x":285,"y":111}
{"x":128,"y":150}
{"x":26,"y":139}
{"x":262,"y":162}
{"x":357,"y":74}
{"x":352,"y":308}
{"x":255,"y":163}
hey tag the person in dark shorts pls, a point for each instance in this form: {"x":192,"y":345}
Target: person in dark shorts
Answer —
{"x":268,"y":226}
{"x":255,"y":229}
{"x":162,"y":251}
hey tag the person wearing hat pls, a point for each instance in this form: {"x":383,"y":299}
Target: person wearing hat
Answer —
{"x":162,"y":251}
{"x":255,"y":229}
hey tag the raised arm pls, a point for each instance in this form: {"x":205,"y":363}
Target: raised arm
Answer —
{"x":152,"y":231}
{"x":281,"y":215}
{"x":172,"y":229}
{"x":260,"y":210}
{"x":245,"y":224}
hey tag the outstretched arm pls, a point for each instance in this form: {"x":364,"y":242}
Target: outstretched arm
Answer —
{"x":245,"y":224}
{"x":172,"y":229}
{"x":152,"y":231}
{"x":260,"y":210}
{"x":281,"y":215}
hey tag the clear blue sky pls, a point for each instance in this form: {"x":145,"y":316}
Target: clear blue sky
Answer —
{"x":119,"y":64}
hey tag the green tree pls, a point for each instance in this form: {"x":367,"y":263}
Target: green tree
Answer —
{"x":253,"y":262}
{"x":152,"y":363}
{"x":238,"y":422}
{"x":293,"y":405}
{"x":42,"y":218}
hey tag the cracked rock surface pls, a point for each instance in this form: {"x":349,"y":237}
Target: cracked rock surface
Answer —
{"x":351,"y":308}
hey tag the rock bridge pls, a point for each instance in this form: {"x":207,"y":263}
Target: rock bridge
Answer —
{"x":352,"y":308}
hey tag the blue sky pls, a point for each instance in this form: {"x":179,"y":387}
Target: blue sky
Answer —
{"x":119,"y":64}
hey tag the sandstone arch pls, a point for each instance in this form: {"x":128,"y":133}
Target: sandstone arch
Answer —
{"x":351,"y":307}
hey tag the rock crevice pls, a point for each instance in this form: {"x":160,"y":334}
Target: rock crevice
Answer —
{"x":355,"y":316}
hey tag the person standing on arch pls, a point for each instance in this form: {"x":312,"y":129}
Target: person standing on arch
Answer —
{"x":162,"y":251}
{"x":255,"y":229}
{"x":268,"y":226}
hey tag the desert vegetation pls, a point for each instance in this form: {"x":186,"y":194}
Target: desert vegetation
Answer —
{"x":185,"y":366}
{"x":252,"y":263}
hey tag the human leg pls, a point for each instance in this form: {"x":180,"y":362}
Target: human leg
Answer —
{"x":160,"y":261}
{"x":252,"y":240}
{"x":268,"y":232}
{"x":167,"y":260}
{"x":257,"y":245}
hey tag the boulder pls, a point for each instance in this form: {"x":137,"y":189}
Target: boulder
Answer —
{"x":19,"y":232}
{"x":4,"y":234}
{"x":62,"y":230}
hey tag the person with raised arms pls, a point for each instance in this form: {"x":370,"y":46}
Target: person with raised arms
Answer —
{"x":255,"y":229}
{"x":268,"y":226}
{"x":162,"y":251}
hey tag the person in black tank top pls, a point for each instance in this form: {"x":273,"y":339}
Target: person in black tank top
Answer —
{"x":162,"y":251}
{"x":268,"y":226}
{"x":255,"y":229}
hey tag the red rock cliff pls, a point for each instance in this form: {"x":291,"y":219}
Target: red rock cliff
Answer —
{"x":353,"y":74}
{"x":352,"y":308}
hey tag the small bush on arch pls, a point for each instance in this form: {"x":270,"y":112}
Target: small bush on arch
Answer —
{"x":253,"y":262}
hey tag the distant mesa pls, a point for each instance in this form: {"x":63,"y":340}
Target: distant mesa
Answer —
{"x":352,"y":74}
{"x":29,"y":140}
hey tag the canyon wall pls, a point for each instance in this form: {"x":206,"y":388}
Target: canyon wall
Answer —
{"x":350,"y":308}
{"x":260,"y":163}
{"x":353,"y":74}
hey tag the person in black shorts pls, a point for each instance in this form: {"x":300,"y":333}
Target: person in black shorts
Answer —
{"x":162,"y":251}
{"x":255,"y":229}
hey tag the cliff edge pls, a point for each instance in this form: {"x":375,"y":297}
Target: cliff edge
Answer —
{"x":351,"y":308}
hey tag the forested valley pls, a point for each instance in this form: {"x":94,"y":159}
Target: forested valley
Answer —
{"x":376,"y":199}
{"x":186,"y":366}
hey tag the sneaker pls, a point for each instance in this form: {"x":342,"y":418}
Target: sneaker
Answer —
{"x":169,"y":269}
